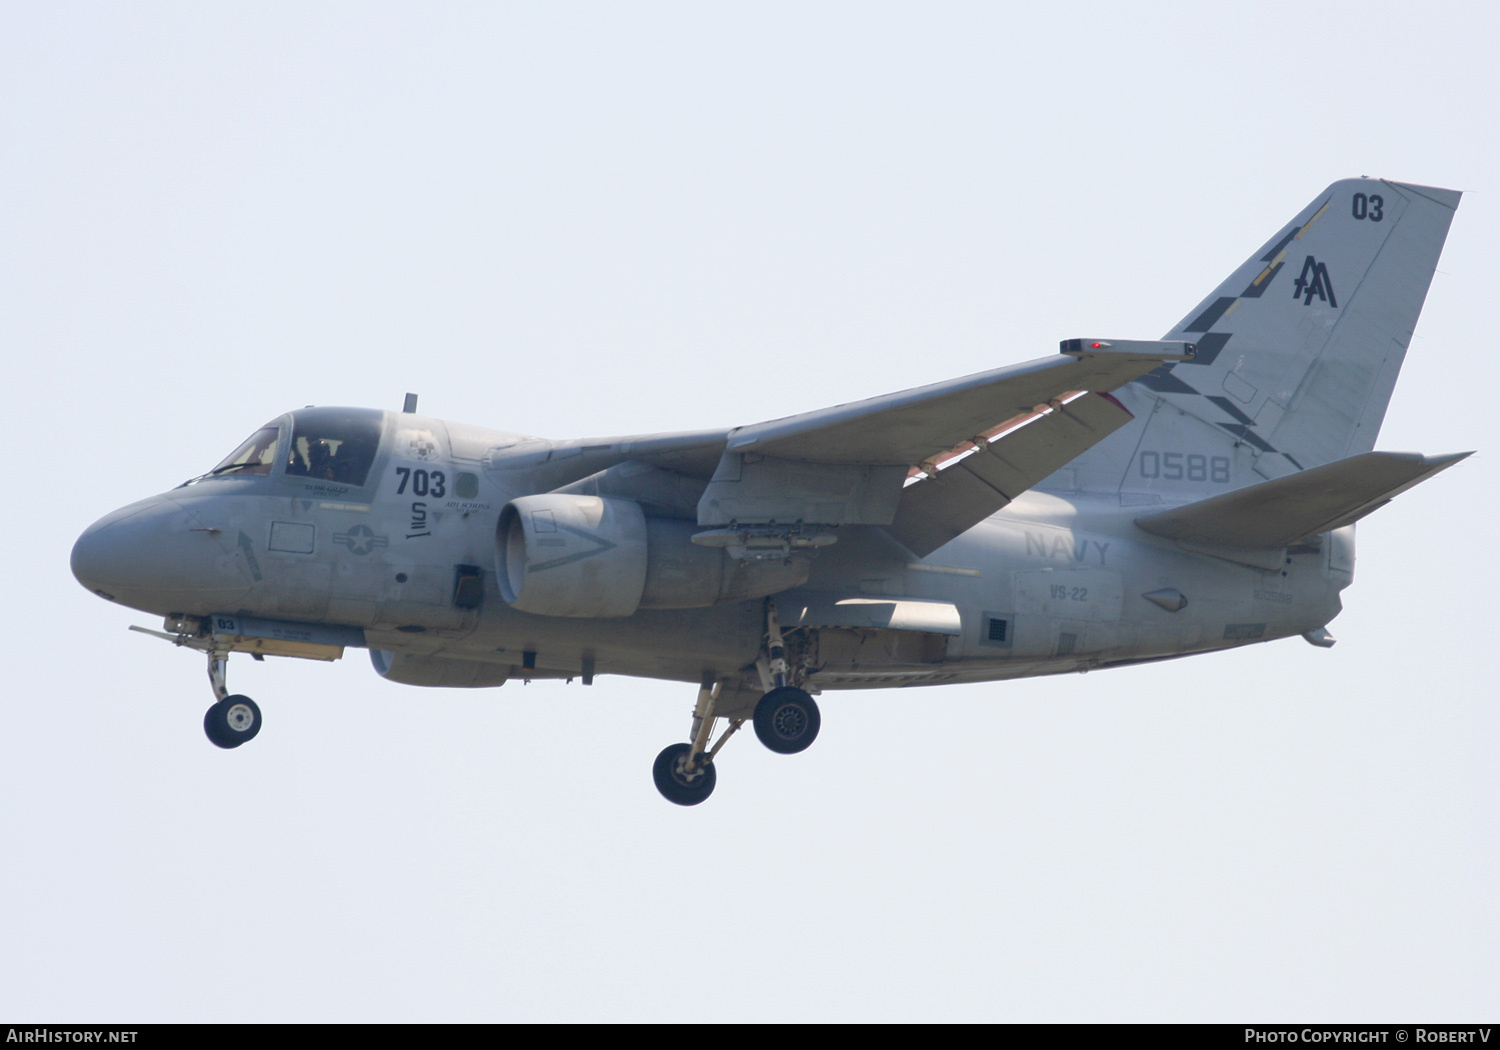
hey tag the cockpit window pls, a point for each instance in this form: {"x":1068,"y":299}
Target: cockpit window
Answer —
{"x":334,"y":444}
{"x":256,"y":456}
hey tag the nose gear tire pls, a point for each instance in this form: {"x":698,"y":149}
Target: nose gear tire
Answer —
{"x":233,"y":721}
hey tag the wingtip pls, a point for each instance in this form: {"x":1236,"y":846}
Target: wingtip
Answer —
{"x":1447,"y":459}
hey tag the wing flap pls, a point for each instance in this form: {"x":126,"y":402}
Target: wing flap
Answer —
{"x":1279,"y":513}
{"x":957,"y":497}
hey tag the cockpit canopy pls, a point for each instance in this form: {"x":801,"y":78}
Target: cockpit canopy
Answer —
{"x":256,"y":456}
{"x":334,"y":444}
{"x":326,"y":444}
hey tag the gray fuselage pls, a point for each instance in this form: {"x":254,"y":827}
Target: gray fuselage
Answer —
{"x":1055,"y":582}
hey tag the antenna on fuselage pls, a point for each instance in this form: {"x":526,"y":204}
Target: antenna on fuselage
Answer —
{"x":411,"y":403}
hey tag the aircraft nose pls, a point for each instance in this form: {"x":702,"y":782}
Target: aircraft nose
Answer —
{"x":155,"y":553}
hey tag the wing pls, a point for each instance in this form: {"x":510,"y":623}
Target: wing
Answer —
{"x":973,"y":444}
{"x":1002,"y":430}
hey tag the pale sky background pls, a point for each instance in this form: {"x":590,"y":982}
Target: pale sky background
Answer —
{"x":576,"y":219}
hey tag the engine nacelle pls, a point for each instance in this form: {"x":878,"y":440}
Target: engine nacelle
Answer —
{"x":441,"y":671}
{"x":562,"y":554}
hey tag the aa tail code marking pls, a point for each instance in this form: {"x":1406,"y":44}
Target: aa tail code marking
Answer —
{"x":1314,"y":280}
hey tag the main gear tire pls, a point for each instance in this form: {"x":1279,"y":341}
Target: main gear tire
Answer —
{"x":787,"y":720}
{"x":678,"y":786}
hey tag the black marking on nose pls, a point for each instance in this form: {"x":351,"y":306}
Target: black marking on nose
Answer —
{"x":249,"y":549}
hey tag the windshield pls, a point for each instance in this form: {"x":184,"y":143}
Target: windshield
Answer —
{"x":334,"y":444}
{"x":256,"y":456}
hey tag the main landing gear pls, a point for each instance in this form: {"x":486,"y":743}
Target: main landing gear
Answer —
{"x":786,"y":720}
{"x":234,"y":720}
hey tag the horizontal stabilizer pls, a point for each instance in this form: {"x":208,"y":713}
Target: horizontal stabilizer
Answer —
{"x":1276,"y":514}
{"x":957,"y":497}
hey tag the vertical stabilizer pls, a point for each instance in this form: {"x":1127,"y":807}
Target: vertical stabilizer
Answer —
{"x":1298,"y":351}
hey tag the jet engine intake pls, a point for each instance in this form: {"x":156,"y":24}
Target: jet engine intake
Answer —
{"x":564,"y":554}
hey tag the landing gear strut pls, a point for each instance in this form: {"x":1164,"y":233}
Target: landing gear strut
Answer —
{"x":786,"y":720}
{"x":234,"y":720}
{"x":684,"y":773}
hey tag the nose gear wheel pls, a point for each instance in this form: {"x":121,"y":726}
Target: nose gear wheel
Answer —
{"x":233,"y":721}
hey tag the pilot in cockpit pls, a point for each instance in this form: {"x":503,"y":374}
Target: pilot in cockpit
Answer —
{"x":322,"y":459}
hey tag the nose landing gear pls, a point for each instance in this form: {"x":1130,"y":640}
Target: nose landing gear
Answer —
{"x":234,"y":720}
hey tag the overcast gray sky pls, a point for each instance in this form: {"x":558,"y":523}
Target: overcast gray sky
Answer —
{"x":572,"y":219}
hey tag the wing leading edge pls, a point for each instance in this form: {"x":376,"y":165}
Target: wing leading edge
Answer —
{"x":910,"y":426}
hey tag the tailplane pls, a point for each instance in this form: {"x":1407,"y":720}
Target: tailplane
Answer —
{"x":1275,"y":515}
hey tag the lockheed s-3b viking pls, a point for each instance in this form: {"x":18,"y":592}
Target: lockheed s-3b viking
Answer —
{"x":1117,"y":502}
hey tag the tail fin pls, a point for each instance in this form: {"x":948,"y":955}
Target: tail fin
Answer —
{"x":1298,"y":351}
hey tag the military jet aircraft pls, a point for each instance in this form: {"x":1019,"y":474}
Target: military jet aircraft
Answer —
{"x":1117,"y":502}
